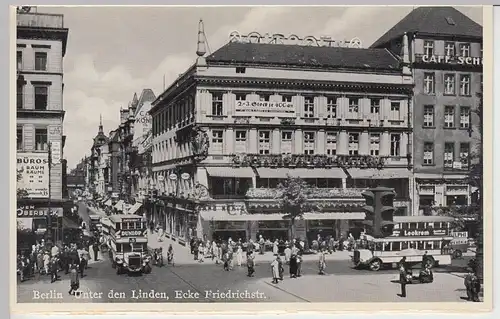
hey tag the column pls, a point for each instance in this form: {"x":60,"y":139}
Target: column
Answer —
{"x":320,"y":143}
{"x":385,"y":144}
{"x":344,"y":182}
{"x":201,"y":176}
{"x":364,"y":143}
{"x":275,"y":142}
{"x":229,"y":141}
{"x":343,"y":143}
{"x":298,"y":142}
{"x":253,"y":141}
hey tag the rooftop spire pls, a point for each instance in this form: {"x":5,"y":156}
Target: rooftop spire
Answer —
{"x":100,"y":124}
{"x":201,"y":48}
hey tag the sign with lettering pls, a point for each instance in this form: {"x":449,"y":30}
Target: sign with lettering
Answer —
{"x":142,"y":127}
{"x":131,"y":233}
{"x":56,"y":152}
{"x":36,"y":211}
{"x":277,"y":38}
{"x":33,"y":174}
{"x":460,"y":60}
{"x":265,"y":108}
{"x":419,"y":232}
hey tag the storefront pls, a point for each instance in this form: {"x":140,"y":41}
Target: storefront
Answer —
{"x":274,"y":229}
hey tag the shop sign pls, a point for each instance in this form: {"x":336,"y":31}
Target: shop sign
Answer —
{"x":265,"y":108}
{"x":35,"y":211}
{"x":420,"y":233}
{"x":459,"y":60}
{"x":131,"y":233}
{"x":33,"y":170}
{"x":56,"y":152}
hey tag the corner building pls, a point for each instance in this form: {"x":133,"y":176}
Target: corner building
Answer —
{"x":258,"y":109}
{"x":446,"y":56}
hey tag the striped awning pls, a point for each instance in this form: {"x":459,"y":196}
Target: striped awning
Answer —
{"x":230,"y":172}
{"x":335,"y":172}
{"x":373,"y":173}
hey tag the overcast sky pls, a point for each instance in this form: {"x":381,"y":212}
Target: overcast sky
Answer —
{"x":113,"y":52}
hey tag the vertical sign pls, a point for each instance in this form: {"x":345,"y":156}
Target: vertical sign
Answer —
{"x":56,"y":152}
{"x":33,"y":174}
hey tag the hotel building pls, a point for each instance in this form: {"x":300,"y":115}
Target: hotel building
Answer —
{"x":261,"y":108}
{"x":446,"y":63}
{"x":41,"y":46}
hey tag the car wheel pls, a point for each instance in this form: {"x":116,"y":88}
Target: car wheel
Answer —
{"x":430,"y":262}
{"x":457,"y":254}
{"x":375,"y":265}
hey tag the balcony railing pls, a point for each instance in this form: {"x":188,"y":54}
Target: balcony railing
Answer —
{"x":40,"y":20}
{"x":316,"y":193}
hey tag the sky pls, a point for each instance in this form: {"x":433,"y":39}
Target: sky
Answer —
{"x":114,"y":52}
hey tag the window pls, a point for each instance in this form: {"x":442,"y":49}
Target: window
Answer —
{"x":241,"y":142}
{"x":353,"y":143}
{"x":331,"y":143}
{"x":464,"y":117}
{"x":217,"y":141}
{"x":449,"y":149}
{"x":395,"y":144}
{"x":449,"y":84}
{"x":449,"y":116}
{"x":19,"y":138}
{"x":331,"y":107}
{"x":286,"y":142}
{"x":41,"y":61}
{"x":353,"y":106}
{"x":375,"y":106}
{"x":428,"y":48}
{"x":429,"y":83}
{"x":464,"y":155}
{"x":465,"y":84}
{"x":19,"y":60}
{"x":428,"y":115}
{"x":449,"y":49}
{"x":428,"y":153}
{"x":241,"y":96}
{"x":264,"y":142}
{"x":41,"y":97}
{"x":240,"y":69}
{"x":20,"y":95}
{"x":217,"y":105}
{"x":465,"y":49}
{"x":374,"y":144}
{"x":41,"y":142}
{"x":308,"y":106}
{"x":264,"y":97}
{"x":309,"y":143}
{"x":286,"y":98}
{"x":395,"y":110}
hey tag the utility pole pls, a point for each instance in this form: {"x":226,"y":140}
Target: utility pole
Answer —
{"x":49,"y":213}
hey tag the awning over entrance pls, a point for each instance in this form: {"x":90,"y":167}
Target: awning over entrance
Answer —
{"x":335,"y":172}
{"x":120,"y":205}
{"x":373,"y":173}
{"x":230,"y":172}
{"x":212,"y":215}
{"x":334,"y":216}
{"x":69,"y":224}
{"x":134,"y":208}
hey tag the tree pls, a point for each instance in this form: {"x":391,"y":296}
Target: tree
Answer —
{"x":20,"y":192}
{"x":292,"y":195}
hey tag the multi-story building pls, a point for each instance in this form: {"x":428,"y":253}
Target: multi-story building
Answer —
{"x":94,"y":160}
{"x":103,"y":173}
{"x":41,"y":46}
{"x":261,"y":108}
{"x":446,"y":62}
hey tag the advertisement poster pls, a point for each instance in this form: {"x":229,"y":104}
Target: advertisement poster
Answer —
{"x":33,"y":174}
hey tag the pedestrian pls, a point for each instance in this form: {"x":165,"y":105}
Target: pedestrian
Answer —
{"x":65,"y":259}
{"x":201,"y":252}
{"x":472,"y":286}
{"x":250,"y":263}
{"x":288,"y":254}
{"x":196,"y":250}
{"x":322,"y":262}
{"x":275,"y":247}
{"x":275,"y":269}
{"x":74,"y":283}
{"x":280,"y":267}
{"x":293,"y":266}
{"x":95,"y":248}
{"x":299,"y":264}
{"x":39,"y":262}
{"x":403,"y":279}
{"x":82,"y":266}
{"x":46,"y":262}
{"x":230,"y":258}
{"x":226,"y":261}
{"x":261,"y":245}
{"x":53,"y":270}
{"x":239,"y":255}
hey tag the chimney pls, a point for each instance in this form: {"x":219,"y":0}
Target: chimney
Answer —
{"x":406,"y":56}
{"x":201,"y":49}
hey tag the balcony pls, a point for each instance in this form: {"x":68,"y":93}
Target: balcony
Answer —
{"x":40,"y":20}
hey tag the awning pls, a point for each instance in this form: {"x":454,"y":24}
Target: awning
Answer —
{"x":335,"y":172}
{"x":231,"y":172}
{"x":373,"y":173}
{"x":120,"y":205}
{"x":102,"y":200}
{"x":212,"y":215}
{"x":25,"y":223}
{"x":109,"y":202}
{"x":334,"y":216}
{"x":134,"y":208}
{"x":69,"y":223}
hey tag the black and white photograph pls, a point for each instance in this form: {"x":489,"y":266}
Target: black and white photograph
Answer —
{"x":249,"y":154}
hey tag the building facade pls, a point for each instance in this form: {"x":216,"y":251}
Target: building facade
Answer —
{"x":41,"y":46}
{"x":242,"y":119}
{"x":94,"y":161}
{"x":446,"y":56}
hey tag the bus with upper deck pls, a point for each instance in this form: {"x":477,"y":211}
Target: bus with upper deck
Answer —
{"x":412,"y":237}
{"x":128,"y":244}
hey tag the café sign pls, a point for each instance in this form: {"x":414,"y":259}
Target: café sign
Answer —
{"x":265,"y":108}
{"x":459,"y":60}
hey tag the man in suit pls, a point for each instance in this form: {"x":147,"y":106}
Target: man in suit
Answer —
{"x":403,"y":280}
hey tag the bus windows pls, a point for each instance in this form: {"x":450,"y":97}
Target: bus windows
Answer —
{"x":428,"y":245}
{"x":437,"y":244}
{"x":420,"y":245}
{"x":404,"y":245}
{"x":396,"y":246}
{"x":378,"y":246}
{"x":413,"y":226}
{"x":387,"y":246}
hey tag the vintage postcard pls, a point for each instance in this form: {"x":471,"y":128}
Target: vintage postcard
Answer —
{"x":249,"y":159}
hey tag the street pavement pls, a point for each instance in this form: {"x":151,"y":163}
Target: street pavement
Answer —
{"x":191,"y":281}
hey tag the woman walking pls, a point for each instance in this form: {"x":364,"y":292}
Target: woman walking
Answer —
{"x":275,"y":269}
{"x":239,"y":256}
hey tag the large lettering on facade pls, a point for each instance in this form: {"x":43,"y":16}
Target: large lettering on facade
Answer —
{"x":265,"y":108}
{"x":33,"y":174}
{"x":459,"y":60}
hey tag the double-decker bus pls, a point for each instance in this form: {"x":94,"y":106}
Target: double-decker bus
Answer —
{"x":128,"y":244}
{"x":412,"y":237}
